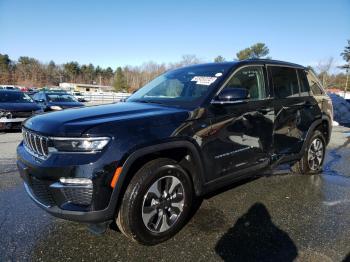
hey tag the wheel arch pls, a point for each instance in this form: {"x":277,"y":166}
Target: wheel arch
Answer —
{"x":324,"y":125}
{"x":143,"y":155}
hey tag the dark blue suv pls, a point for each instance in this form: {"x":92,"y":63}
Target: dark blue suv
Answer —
{"x":55,"y":101}
{"x":188,"y":132}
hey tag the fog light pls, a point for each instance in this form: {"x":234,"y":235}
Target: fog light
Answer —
{"x":76,"y":181}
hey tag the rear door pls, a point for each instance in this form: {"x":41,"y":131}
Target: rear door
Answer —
{"x":293,"y":109}
{"x":241,"y":134}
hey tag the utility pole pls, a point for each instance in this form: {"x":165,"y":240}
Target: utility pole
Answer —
{"x":346,"y":83}
{"x":346,"y":67}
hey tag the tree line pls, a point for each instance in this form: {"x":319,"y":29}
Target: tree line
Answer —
{"x":28,"y":71}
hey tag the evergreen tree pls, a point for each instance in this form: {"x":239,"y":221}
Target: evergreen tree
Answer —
{"x":219,"y":59}
{"x":346,"y":53}
{"x":258,"y":50}
{"x":119,"y":82}
{"x":5,"y":67}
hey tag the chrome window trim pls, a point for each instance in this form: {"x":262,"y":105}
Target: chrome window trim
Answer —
{"x":290,"y":66}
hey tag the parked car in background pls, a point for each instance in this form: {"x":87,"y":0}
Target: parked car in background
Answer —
{"x":54,"y":101}
{"x":79,"y":96}
{"x":10,"y":87}
{"x":15,"y":107}
{"x":32,"y":91}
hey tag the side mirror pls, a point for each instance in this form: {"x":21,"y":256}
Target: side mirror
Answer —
{"x":232,"y":95}
{"x":39,"y":100}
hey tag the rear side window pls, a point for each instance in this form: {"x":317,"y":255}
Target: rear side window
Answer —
{"x":285,"y":81}
{"x":304,"y":84}
{"x":315,"y":87}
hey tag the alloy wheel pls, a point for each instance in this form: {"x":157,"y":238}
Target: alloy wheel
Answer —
{"x":315,"y":154}
{"x":163,"y":204}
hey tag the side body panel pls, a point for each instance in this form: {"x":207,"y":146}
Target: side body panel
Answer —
{"x":241,"y":132}
{"x":294,"y":114}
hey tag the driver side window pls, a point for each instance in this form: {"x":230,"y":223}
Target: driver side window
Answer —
{"x":250,"y":78}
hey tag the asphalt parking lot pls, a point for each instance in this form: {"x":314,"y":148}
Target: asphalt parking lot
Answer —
{"x":280,"y":217}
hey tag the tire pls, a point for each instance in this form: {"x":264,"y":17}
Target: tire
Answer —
{"x":150,"y":212}
{"x":306,"y":167}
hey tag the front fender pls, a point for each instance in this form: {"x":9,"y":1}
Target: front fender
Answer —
{"x":197,"y":177}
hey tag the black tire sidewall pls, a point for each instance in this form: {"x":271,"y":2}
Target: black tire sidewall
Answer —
{"x":145,"y":178}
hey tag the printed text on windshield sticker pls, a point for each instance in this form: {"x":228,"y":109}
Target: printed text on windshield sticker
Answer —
{"x":204,"y":80}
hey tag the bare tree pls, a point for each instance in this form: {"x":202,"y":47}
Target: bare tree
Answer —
{"x":324,"y":68}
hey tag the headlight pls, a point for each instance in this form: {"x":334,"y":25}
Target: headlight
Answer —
{"x":55,"y":108}
{"x":91,"y":144}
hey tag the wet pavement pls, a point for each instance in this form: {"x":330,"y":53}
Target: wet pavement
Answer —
{"x":282,"y":217}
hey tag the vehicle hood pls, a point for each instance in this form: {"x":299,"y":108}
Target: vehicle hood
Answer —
{"x":75,"y":122}
{"x":65,"y":104}
{"x":19,"y":107}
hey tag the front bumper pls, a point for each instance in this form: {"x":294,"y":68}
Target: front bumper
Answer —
{"x":79,"y":216}
{"x":87,"y":203}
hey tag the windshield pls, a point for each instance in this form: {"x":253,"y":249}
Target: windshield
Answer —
{"x":55,"y":97}
{"x":184,"y":86}
{"x":14,"y":97}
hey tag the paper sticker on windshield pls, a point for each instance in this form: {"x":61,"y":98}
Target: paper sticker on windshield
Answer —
{"x":204,"y":80}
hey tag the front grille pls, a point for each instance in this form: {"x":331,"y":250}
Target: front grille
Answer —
{"x":36,"y":144}
{"x":41,"y":192}
{"x":21,"y":114}
{"x":78,"y":196}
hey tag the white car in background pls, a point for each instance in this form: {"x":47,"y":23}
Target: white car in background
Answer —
{"x":79,"y":96}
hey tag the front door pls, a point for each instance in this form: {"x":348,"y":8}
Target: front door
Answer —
{"x":241,"y":136}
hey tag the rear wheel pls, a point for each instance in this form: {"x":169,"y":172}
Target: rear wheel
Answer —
{"x":313,"y":158}
{"x":156,"y":203}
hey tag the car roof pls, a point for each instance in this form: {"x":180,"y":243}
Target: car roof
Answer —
{"x":233,"y":64}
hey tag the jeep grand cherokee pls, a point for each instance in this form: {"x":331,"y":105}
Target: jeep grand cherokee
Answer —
{"x":190,"y":131}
